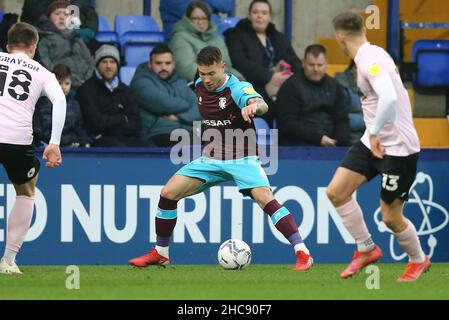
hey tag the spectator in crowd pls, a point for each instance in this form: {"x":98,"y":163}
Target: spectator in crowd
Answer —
{"x":261,"y":53}
{"x":109,"y":111}
{"x":73,"y":134}
{"x":348,"y":80}
{"x":191,"y":34}
{"x":165,"y":100}
{"x":311,"y":109}
{"x":60,"y":45}
{"x":173,"y":10}
{"x":34,"y":12}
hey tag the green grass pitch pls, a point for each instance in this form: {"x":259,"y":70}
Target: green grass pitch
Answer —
{"x":210,"y":282}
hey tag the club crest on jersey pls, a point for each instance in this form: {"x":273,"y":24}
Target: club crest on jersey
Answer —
{"x":222,"y":102}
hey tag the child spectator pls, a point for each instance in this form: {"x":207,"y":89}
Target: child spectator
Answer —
{"x":73,"y":134}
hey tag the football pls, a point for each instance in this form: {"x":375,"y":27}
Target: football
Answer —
{"x":234,"y":254}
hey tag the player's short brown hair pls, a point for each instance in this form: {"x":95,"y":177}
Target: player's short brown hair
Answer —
{"x":350,"y":22}
{"x":208,"y":56}
{"x":22,"y":35}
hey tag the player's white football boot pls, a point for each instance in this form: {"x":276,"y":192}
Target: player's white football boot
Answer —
{"x":5,"y":268}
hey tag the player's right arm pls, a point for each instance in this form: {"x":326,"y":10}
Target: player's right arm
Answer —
{"x":255,"y":106}
{"x":54,"y":93}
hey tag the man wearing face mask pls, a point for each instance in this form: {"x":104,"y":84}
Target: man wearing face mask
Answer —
{"x":311,"y":109}
{"x":164,"y":99}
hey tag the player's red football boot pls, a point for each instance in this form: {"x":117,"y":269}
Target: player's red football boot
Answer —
{"x":303,"y":261}
{"x":414,"y":270}
{"x":361,"y":260}
{"x":150,"y":258}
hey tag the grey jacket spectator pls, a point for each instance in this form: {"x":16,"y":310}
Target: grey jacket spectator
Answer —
{"x":311,"y":105}
{"x":109,"y":110}
{"x":34,"y":10}
{"x":59,"y":45}
{"x":165,"y":101}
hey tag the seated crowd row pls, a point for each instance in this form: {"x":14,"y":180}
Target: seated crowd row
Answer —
{"x":307,"y":106}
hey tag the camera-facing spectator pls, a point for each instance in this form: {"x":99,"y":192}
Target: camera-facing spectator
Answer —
{"x":109,"y":111}
{"x":262,"y":54}
{"x":73,"y":134}
{"x":194,"y":32}
{"x":311,"y":105}
{"x":165,"y":101}
{"x":60,"y":45}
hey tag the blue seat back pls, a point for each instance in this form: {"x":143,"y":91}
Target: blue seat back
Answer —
{"x":103,"y":24}
{"x":136,"y":53}
{"x":226,"y":23}
{"x":124,"y":24}
{"x":432,"y":61}
{"x":126,"y":74}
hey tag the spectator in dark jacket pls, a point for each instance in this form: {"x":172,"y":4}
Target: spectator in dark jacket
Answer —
{"x":73,"y":135}
{"x":109,"y":111}
{"x":261,"y":53}
{"x":311,"y":105}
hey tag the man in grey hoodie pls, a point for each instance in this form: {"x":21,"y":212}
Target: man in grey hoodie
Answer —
{"x":165,"y":101}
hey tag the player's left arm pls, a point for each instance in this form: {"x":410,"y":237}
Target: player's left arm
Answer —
{"x":255,"y":107}
{"x":384,"y":88}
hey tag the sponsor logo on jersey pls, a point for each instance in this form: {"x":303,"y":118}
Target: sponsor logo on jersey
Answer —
{"x":217,"y":123}
{"x":222,"y":102}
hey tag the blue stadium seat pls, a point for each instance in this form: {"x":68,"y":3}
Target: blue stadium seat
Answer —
{"x":432,"y":61}
{"x":142,"y":37}
{"x":141,"y":29}
{"x":1,"y":15}
{"x":105,"y":33}
{"x":103,"y":24}
{"x":137,"y":45}
{"x":226,"y":23}
{"x":262,"y":130}
{"x":136,"y":53}
{"x":126,"y":74}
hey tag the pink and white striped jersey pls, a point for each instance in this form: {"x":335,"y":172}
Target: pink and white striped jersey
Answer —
{"x":399,"y":137}
{"x":22,"y":83}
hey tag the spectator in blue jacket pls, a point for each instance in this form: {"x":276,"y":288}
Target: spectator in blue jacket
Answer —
{"x":352,"y":95}
{"x":173,"y":10}
{"x":164,"y":99}
{"x":73,"y":135}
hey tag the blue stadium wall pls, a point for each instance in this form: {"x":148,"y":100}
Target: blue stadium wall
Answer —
{"x":99,"y":207}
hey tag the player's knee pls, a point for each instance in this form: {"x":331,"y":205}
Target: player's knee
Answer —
{"x":391,"y":221}
{"x":334,"y":196}
{"x":168,"y":193}
{"x":262,"y":196}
